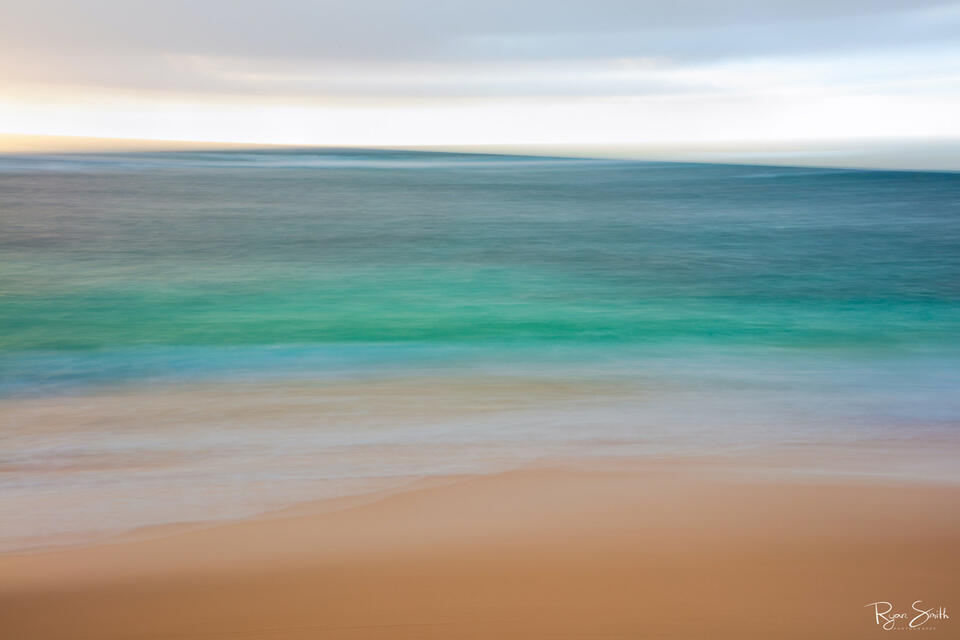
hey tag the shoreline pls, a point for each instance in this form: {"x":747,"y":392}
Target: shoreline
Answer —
{"x":924,"y":462}
{"x":854,"y":462}
{"x":659,"y":548}
{"x":152,"y":457}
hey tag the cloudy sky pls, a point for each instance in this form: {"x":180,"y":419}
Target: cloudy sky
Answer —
{"x":436,"y":72}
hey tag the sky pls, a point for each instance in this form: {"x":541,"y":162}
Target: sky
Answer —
{"x":471,"y":72}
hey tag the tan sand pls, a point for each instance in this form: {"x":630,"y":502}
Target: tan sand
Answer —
{"x":665,"y":550}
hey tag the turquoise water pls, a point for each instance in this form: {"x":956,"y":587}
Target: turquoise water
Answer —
{"x":673,"y":303}
{"x":124,"y":266}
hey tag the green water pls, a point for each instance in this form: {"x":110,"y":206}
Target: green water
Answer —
{"x":212,"y":258}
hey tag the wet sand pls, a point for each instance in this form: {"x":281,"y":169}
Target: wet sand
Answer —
{"x":664,"y":549}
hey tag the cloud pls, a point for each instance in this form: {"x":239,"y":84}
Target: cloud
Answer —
{"x":427,"y":47}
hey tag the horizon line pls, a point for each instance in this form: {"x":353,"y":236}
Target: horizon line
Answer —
{"x":937,"y":154}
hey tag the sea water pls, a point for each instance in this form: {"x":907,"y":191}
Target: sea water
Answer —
{"x":189,"y":336}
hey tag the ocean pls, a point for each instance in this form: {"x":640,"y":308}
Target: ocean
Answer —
{"x":204,"y":335}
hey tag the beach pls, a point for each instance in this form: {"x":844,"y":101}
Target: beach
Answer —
{"x":665,"y":548}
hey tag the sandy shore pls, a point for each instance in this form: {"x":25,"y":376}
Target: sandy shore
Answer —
{"x":664,"y":550}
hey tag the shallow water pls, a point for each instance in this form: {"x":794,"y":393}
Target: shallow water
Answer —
{"x":202,"y":335}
